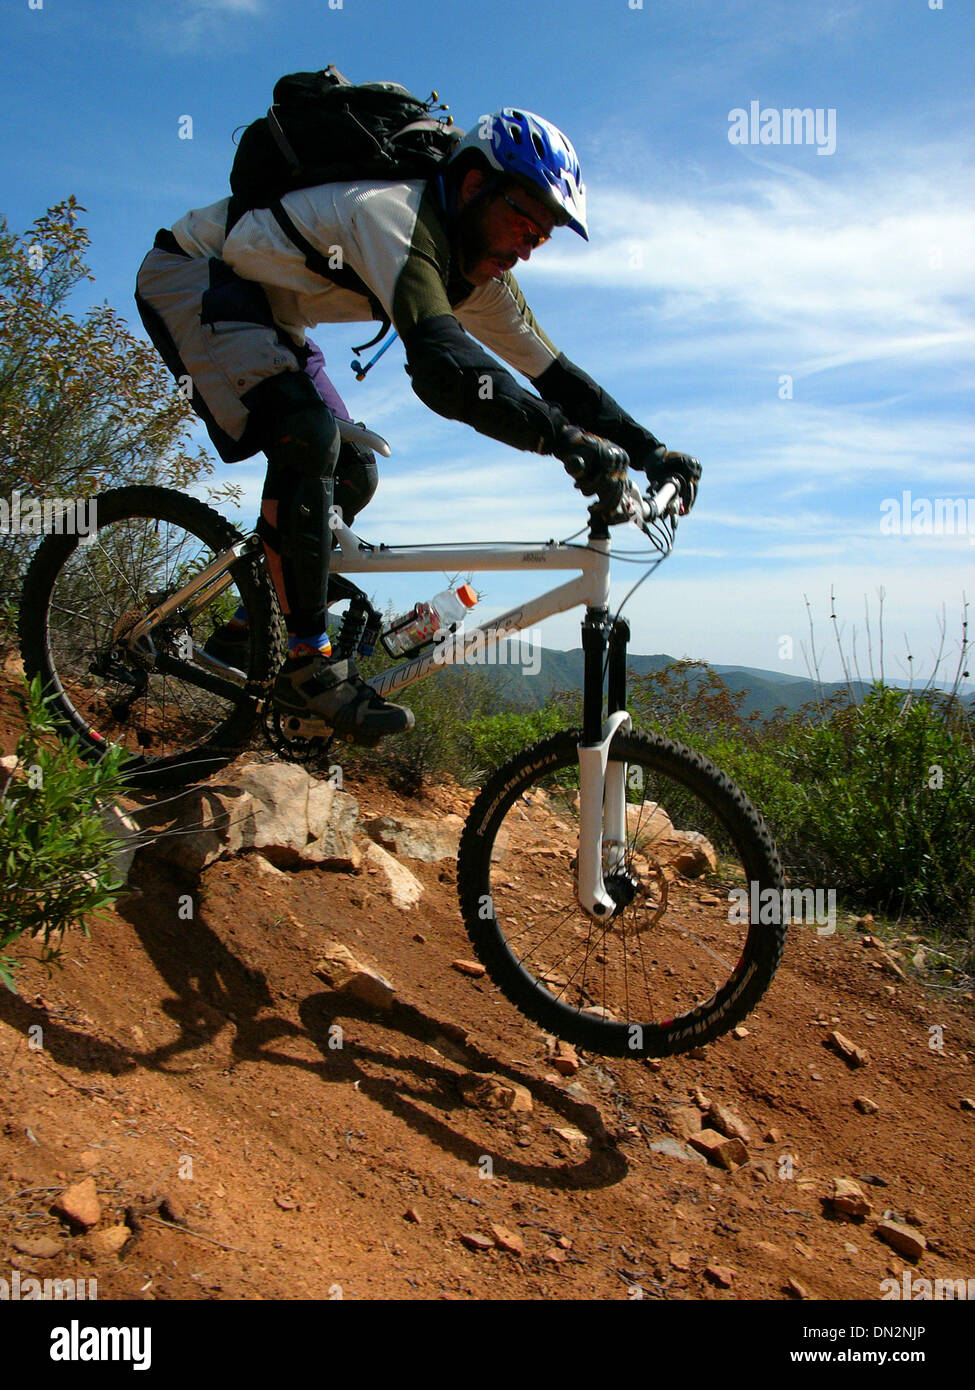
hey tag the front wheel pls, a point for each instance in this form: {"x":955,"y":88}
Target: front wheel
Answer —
{"x":690,"y":947}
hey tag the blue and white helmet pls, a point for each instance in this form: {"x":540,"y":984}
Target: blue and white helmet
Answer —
{"x":533,"y":150}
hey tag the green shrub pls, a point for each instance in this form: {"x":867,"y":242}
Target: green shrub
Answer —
{"x":875,"y":799}
{"x":493,"y":739}
{"x":885,"y":794}
{"x":55,"y":851}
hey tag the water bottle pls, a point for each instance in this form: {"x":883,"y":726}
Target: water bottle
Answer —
{"x":411,"y":631}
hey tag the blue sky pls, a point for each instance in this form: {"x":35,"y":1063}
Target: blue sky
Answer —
{"x":714,"y":271}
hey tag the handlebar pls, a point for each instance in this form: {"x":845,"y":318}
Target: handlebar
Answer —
{"x":634,"y":506}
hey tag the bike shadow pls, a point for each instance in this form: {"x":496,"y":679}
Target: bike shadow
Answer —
{"x":212,"y":988}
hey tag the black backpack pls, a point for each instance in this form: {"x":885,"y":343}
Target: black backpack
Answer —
{"x":322,"y":128}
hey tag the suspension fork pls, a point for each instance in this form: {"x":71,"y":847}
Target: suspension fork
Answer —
{"x":602,"y":785}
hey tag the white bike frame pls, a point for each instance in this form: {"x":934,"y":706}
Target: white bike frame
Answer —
{"x":602,"y":819}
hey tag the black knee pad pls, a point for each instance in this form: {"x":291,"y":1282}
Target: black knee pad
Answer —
{"x":301,"y":440}
{"x":356,"y":479}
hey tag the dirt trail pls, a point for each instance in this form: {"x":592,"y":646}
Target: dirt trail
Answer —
{"x":195,"y":1058}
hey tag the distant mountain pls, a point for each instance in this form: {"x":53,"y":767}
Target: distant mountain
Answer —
{"x":764,"y":691}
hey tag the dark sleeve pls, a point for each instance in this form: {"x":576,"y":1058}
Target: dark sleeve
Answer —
{"x":455,"y":377}
{"x":588,"y":406}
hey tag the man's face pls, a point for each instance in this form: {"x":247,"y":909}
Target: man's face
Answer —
{"x":494,"y":233}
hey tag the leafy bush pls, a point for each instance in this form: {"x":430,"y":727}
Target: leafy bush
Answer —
{"x":875,"y":799}
{"x":885,"y":795}
{"x":55,"y":850}
{"x":493,"y":739}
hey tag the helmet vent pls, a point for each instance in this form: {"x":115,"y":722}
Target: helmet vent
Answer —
{"x":539,"y":146}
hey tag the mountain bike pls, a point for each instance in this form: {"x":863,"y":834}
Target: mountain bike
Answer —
{"x":609,"y":879}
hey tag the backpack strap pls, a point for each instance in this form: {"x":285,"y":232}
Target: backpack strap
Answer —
{"x":344,"y":277}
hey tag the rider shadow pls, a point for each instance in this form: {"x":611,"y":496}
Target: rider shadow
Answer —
{"x":210,"y":986}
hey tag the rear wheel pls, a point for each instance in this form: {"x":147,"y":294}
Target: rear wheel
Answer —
{"x":684,"y":956}
{"x":180,"y":716}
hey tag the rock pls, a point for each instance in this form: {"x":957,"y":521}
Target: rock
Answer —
{"x":865,"y":923}
{"x":411,"y":1214}
{"x":853,"y":1056}
{"x":889,"y":962}
{"x":427,"y":840}
{"x":700,"y":1099}
{"x":276,"y":808}
{"x":474,"y":968}
{"x":699,"y":1054}
{"x":680,"y":1259}
{"x":674,"y":1149}
{"x":685,"y":1121}
{"x":475,"y":1241}
{"x":126,"y":831}
{"x":565,"y":1061}
{"x":725,"y":1121}
{"x":905,"y":1239}
{"x":865,"y":1105}
{"x":848,"y":1199}
{"x":570,"y":1134}
{"x":796,"y":1289}
{"x":720,"y":1275}
{"x":90,"y":1158}
{"x":507,"y":1240}
{"x":966,"y":1103}
{"x":740,"y":1032}
{"x":495,"y":1093}
{"x":654,"y":836}
{"x":110,"y":1240}
{"x":719,"y":1149}
{"x":767,"y":1248}
{"x":773,"y":1135}
{"x":401,"y":884}
{"x":79,"y":1204}
{"x":555,"y":1256}
{"x":340,"y":969}
{"x":38,"y":1247}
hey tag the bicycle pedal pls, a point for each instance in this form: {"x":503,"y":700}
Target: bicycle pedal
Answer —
{"x":293,"y":726}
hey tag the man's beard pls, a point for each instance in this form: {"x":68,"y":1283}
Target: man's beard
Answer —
{"x":473,"y":243}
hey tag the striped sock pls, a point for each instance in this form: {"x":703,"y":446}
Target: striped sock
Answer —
{"x":318,"y":644}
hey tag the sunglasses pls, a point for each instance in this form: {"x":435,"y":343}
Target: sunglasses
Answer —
{"x":537,"y":236}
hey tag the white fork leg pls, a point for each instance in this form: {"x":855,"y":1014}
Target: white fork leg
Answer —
{"x":602,"y":802}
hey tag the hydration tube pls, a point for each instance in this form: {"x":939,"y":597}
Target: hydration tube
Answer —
{"x":360,"y":370}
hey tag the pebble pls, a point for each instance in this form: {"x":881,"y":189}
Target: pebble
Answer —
{"x":508,"y":1240}
{"x":474,"y":968}
{"x":79,"y":1204}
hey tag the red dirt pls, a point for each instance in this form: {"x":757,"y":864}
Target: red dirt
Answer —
{"x":195,"y":1057}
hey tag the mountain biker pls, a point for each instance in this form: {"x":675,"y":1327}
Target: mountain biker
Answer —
{"x":230,"y":312}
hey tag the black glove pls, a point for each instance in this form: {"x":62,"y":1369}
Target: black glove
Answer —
{"x":667,"y":464}
{"x":598,"y":466}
